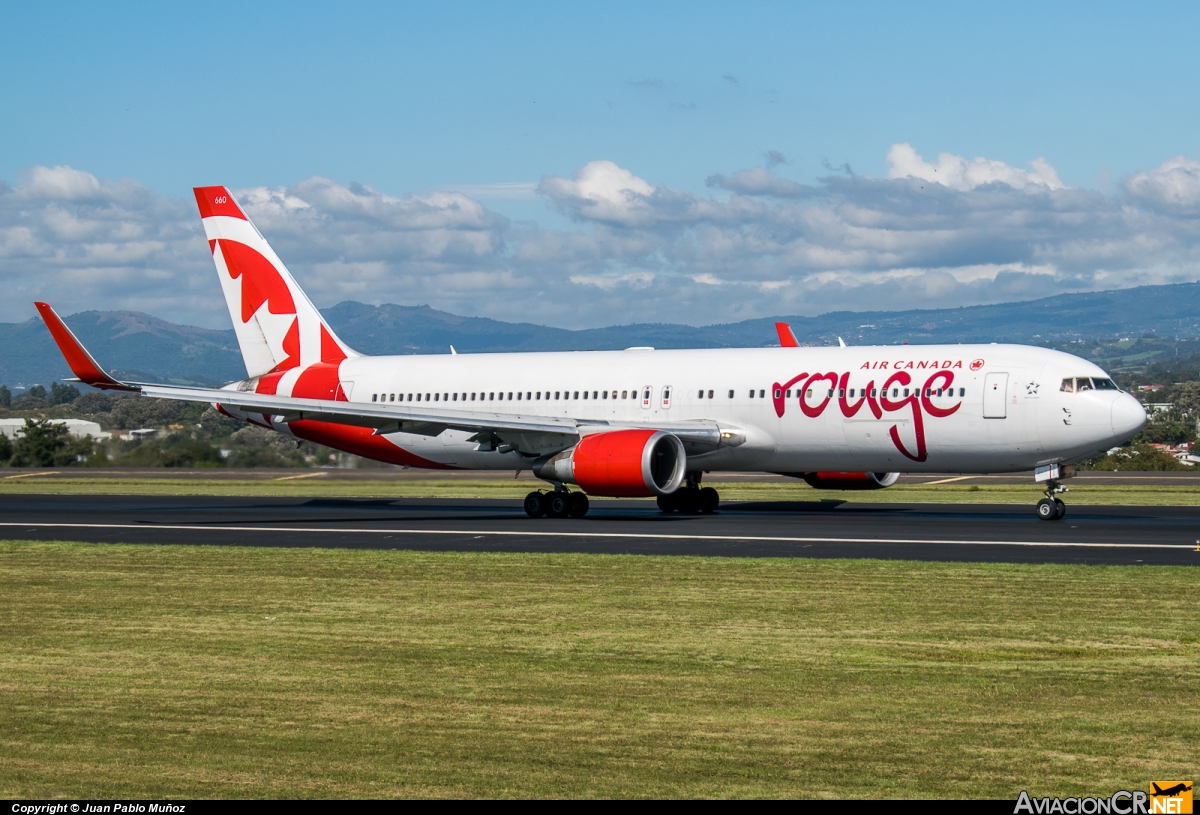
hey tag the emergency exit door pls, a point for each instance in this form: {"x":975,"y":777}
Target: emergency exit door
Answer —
{"x":995,"y":387}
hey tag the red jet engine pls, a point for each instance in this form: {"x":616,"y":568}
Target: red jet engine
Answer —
{"x":620,"y":463}
{"x":850,"y":481}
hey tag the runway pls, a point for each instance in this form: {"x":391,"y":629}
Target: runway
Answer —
{"x":843,"y":529}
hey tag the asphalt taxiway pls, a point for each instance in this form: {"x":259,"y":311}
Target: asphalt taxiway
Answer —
{"x":952,"y":532}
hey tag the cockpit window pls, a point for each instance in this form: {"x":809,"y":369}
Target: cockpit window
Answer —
{"x":1079,"y":384}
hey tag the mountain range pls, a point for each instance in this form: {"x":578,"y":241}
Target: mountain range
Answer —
{"x":139,"y":346}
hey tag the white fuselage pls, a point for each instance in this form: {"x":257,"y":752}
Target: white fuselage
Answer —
{"x":956,"y":408}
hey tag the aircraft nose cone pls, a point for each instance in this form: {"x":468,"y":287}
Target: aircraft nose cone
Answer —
{"x":1128,"y":417}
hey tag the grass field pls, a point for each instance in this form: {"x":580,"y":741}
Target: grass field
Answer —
{"x":178,"y":671}
{"x":1172,"y":494}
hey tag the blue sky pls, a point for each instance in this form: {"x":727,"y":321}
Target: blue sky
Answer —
{"x":414,"y":99}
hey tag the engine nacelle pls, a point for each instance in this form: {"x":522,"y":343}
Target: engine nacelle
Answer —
{"x":850,"y":481}
{"x":619,"y":463}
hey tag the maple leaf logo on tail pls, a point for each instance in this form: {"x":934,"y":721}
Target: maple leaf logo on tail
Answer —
{"x":278,"y":328}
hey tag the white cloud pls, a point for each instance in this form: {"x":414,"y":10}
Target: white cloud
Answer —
{"x":959,"y":173}
{"x":952,"y":233}
{"x":1174,"y":184}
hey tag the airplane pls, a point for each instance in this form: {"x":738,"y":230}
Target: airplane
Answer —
{"x":642,"y":422}
{"x":1170,"y":792}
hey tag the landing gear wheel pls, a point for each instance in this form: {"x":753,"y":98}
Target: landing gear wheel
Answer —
{"x":1047,"y":509}
{"x":688,"y":501}
{"x":709,"y":500}
{"x":535,"y":505}
{"x":666,"y":503}
{"x":1062,"y":508}
{"x":558,"y":504}
{"x":578,"y":505}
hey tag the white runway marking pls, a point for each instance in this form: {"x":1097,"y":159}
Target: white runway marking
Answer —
{"x":618,"y":535}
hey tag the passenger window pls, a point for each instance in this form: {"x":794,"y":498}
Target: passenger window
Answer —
{"x":624,"y":394}
{"x":778,"y":393}
{"x":731,"y":394}
{"x":762,"y":393}
{"x":895,"y":392}
{"x":576,"y":396}
{"x":585,"y":394}
{"x":456,"y":397}
{"x":472,"y":397}
{"x":830,"y":393}
{"x":841,"y":393}
{"x":435,"y":397}
{"x":939,"y":391}
{"x":426,"y":397}
{"x":510,"y":396}
{"x":528,"y":396}
{"x":392,"y":397}
{"x":809,"y":394}
{"x":874,"y":392}
{"x":374,"y":397}
{"x":556,"y":394}
{"x":491,"y":396}
{"x":789,"y":393}
{"x":446,"y":397}
{"x":962,"y":392}
{"x":418,"y":397}
{"x":710,"y":395}
{"x":1068,"y":385}
{"x":852,"y":393}
{"x":752,"y":393}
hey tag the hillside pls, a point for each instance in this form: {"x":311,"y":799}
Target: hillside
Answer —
{"x":140,"y":346}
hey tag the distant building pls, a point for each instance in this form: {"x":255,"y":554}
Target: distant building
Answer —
{"x":80,"y":428}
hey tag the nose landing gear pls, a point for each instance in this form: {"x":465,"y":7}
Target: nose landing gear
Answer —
{"x":1051,"y":508}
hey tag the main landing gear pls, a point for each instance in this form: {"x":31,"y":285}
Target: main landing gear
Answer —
{"x":557,"y":504}
{"x":1051,"y":508}
{"x":691,"y":498}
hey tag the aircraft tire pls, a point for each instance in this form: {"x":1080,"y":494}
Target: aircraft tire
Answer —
{"x":667,"y":503}
{"x":710,"y":499}
{"x":535,"y":505}
{"x":1062,"y":508}
{"x":1047,"y":510}
{"x":558,"y":504}
{"x":689,"y":501}
{"x":579,"y":505}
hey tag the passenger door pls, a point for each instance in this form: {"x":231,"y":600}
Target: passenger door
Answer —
{"x":995,"y":389}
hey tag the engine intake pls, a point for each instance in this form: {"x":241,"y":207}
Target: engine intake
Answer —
{"x":849,"y":481}
{"x":619,"y":463}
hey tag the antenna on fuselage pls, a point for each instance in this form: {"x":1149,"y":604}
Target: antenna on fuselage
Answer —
{"x":452,"y":351}
{"x":841,"y":343}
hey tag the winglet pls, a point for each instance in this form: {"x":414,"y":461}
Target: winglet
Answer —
{"x":81,"y":362}
{"x":786,"y":338}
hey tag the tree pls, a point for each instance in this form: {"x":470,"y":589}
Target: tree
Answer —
{"x":6,"y":449}
{"x":62,"y":394}
{"x":5,"y":396}
{"x":1186,"y":400}
{"x":42,"y":445}
{"x":1139,"y":457}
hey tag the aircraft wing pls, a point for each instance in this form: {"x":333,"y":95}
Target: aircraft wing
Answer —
{"x":385,"y":418}
{"x":422,"y":420}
